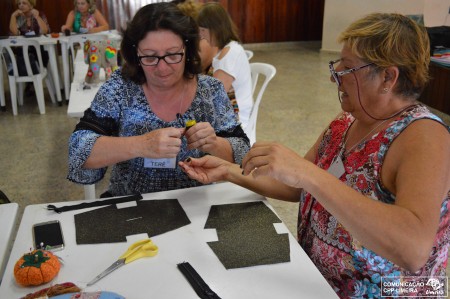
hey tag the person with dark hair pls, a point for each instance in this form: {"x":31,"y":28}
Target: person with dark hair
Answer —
{"x":85,"y":18}
{"x":229,"y":63}
{"x":374,"y":190}
{"x":138,"y":119}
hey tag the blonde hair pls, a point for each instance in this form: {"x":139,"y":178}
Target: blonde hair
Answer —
{"x":91,"y":5}
{"x":390,"y":39}
{"x":32,"y":2}
{"x":190,"y":8}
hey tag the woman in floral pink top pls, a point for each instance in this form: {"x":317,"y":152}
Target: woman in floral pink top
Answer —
{"x":374,"y":189}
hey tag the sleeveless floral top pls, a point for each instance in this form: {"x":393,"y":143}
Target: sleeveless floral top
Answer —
{"x":90,"y":22}
{"x":351,"y":269}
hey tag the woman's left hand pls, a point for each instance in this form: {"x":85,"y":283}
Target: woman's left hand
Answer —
{"x":201,"y":136}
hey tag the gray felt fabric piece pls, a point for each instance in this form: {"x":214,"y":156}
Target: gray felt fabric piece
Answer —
{"x":247,"y":236}
{"x":109,"y":224}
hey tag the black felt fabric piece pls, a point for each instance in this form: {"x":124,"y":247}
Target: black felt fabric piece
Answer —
{"x":247,"y":236}
{"x":109,"y":225}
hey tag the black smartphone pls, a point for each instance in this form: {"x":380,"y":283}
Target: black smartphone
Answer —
{"x":48,"y":236}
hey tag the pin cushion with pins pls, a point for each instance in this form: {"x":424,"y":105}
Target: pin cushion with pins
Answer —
{"x":36,"y":267}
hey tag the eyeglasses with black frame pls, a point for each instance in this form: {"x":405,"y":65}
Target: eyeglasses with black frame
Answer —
{"x":337,"y":75}
{"x":153,"y":60}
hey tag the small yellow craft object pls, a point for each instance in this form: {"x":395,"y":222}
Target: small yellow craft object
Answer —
{"x":190,"y":123}
{"x":140,"y":249}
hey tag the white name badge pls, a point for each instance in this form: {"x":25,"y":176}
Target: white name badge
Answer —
{"x":337,"y":167}
{"x":160,"y":163}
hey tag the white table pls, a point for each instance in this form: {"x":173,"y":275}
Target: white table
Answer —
{"x":64,"y":41}
{"x":159,"y":277}
{"x":8,"y":216}
{"x":82,"y":95}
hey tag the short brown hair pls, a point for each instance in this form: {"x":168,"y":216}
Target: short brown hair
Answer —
{"x":391,"y":39}
{"x":214,"y":17}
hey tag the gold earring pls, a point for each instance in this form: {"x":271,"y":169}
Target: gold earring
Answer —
{"x":385,"y":90}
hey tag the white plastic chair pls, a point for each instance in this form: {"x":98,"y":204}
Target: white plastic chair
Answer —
{"x":23,"y":44}
{"x":2,"y":90}
{"x":257,"y":69}
{"x":249,"y":54}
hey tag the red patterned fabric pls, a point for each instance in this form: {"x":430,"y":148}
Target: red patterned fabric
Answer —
{"x":351,"y":269}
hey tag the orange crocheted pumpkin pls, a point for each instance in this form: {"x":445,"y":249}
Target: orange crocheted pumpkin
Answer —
{"x":36,"y":267}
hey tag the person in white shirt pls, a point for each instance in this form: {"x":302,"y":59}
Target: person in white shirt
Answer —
{"x":230,"y":64}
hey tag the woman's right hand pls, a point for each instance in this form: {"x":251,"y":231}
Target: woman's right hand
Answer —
{"x":206,"y":170}
{"x":161,"y":143}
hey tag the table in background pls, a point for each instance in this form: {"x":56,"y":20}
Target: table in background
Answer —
{"x":81,"y":94}
{"x":159,"y":277}
{"x":8,"y":216}
{"x":64,"y":41}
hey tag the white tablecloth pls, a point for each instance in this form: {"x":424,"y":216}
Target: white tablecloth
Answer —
{"x":158,"y":277}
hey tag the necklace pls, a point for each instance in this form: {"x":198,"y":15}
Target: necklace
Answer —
{"x":345,"y":152}
{"x":337,"y":167}
{"x":178,"y":115}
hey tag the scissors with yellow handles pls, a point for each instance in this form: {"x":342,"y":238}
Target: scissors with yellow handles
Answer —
{"x":140,"y":249}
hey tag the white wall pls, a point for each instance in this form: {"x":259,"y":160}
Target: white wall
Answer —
{"x":339,"y":14}
{"x":436,"y":13}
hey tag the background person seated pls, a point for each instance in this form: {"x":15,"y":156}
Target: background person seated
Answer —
{"x":28,"y":21}
{"x":85,"y":18}
{"x":230,"y":63}
{"x":207,"y":52}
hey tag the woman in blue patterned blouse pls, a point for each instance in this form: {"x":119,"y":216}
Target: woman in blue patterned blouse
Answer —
{"x":137,"y":120}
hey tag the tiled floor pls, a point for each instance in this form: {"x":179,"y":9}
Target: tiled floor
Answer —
{"x":299,"y":102}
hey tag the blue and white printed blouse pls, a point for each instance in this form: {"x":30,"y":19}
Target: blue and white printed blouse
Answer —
{"x":120,"y":108}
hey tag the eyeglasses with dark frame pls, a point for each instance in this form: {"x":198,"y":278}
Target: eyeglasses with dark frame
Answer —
{"x":153,"y":60}
{"x":336,"y":75}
